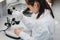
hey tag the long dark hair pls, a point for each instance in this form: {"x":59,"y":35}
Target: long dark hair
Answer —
{"x":43,"y":5}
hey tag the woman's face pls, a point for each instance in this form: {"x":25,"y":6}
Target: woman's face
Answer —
{"x":34,"y":8}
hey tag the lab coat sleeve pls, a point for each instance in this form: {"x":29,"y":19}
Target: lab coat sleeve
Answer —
{"x":42,"y":33}
{"x":25,"y":36}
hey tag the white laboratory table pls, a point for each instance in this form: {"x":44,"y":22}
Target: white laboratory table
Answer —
{"x":2,"y":27}
{"x":4,"y":37}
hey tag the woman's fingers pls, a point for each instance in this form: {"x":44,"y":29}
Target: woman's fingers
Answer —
{"x":17,"y":31}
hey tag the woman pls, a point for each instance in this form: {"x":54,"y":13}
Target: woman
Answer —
{"x":41,"y":21}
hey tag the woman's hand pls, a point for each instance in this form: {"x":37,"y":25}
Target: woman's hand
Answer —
{"x":17,"y":31}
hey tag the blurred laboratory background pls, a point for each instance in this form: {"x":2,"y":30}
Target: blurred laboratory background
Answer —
{"x":6,"y":5}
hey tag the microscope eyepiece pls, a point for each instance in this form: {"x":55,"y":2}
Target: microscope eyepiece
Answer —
{"x":13,"y":19}
{"x":17,"y":22}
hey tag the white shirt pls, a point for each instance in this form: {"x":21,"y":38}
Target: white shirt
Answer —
{"x":42,"y":28}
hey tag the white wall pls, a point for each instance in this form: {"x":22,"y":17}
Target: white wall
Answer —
{"x":22,"y":1}
{"x":56,"y":10}
{"x":10,"y":1}
{"x":3,"y":10}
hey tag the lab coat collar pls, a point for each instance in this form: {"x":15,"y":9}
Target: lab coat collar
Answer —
{"x":46,"y":12}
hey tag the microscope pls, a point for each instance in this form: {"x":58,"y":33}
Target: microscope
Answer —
{"x":9,"y":25}
{"x":12,"y":22}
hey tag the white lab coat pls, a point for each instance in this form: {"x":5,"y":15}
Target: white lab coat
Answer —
{"x":42,"y":28}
